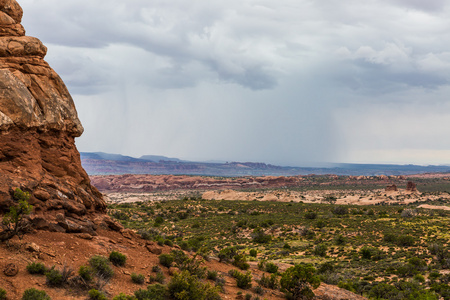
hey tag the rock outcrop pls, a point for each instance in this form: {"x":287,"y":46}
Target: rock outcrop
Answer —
{"x":411,"y":187}
{"x":38,"y":125}
{"x":391,"y":188}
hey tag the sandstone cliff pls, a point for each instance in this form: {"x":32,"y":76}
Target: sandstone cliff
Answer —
{"x":38,"y":124}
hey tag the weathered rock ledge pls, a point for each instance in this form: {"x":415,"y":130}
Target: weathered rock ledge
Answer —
{"x":38,"y":124}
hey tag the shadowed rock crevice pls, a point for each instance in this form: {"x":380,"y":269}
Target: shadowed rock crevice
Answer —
{"x":38,"y":125}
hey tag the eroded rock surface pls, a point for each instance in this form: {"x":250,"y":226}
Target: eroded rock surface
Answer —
{"x":38,"y":124}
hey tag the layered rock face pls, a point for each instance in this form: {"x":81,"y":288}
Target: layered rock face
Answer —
{"x":38,"y":124}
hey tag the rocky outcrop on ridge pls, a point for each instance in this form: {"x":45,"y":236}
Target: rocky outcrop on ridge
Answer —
{"x":38,"y":124}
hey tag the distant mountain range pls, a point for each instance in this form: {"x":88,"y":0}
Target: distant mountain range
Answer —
{"x":99,"y":163}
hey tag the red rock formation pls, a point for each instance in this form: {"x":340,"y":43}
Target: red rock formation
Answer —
{"x":38,"y":124}
{"x":411,"y":187}
{"x":391,"y":188}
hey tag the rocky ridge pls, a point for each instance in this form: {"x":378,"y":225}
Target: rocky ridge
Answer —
{"x":38,"y":125}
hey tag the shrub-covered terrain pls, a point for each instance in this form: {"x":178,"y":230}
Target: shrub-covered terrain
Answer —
{"x":381,"y":252}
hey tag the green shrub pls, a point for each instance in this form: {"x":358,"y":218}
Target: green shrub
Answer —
{"x":366,"y":253}
{"x":137,"y":278}
{"x":101,"y":266}
{"x":240,"y":261}
{"x":297,"y":280}
{"x":243,"y":281}
{"x":270,"y":282}
{"x":36,"y":268}
{"x":271,"y":267}
{"x":405,"y":240}
{"x":311,"y":215}
{"x":122,"y":296}
{"x":253,"y":252}
{"x":340,"y":240}
{"x":212,"y":275}
{"x":320,"y":250}
{"x":158,"y":221}
{"x":117,"y":258}
{"x":383,"y":291}
{"x":258,"y":290}
{"x":154,"y":292}
{"x":166,"y":260}
{"x":2,"y":294}
{"x":227,"y":254}
{"x":54,"y":277}
{"x":13,"y":221}
{"x":186,"y":286}
{"x":259,"y":236}
{"x":96,"y":295}
{"x":156,"y":269}
{"x":340,"y":210}
{"x":86,"y":273}
{"x":34,"y":294}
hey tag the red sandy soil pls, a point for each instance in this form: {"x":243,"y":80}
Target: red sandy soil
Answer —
{"x":74,"y":250}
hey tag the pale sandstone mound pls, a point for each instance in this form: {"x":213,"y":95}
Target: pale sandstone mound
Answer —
{"x":38,"y":124}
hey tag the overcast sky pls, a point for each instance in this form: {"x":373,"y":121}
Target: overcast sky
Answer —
{"x":290,"y":82}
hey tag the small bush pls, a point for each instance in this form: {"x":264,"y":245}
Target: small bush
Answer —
{"x":320,"y":250}
{"x":366,"y":253}
{"x":340,"y":210}
{"x":122,"y":296}
{"x":212,"y":275}
{"x":86,"y":273}
{"x":270,"y":282}
{"x":101,"y":266}
{"x":34,"y":294}
{"x":271,"y":267}
{"x":158,"y":221}
{"x":54,"y":277}
{"x":311,"y":215}
{"x":296,"y":282}
{"x":259,"y":236}
{"x":166,"y":260}
{"x":340,"y":240}
{"x":13,"y":222}
{"x":253,"y":252}
{"x":186,"y":286}
{"x":36,"y":268}
{"x":96,"y":295}
{"x":117,"y":258}
{"x":405,"y":240}
{"x":2,"y":294}
{"x":156,"y":269}
{"x":154,"y":292}
{"x":240,"y":261}
{"x":408,"y":213}
{"x":243,"y":281}
{"x":227,"y":254}
{"x":259,"y":290}
{"x":137,"y":278}
{"x":160,"y":277}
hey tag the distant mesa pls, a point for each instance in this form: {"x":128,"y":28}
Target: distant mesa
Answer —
{"x":38,"y":124}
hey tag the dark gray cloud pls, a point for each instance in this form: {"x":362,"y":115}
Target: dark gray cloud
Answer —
{"x":288,"y":81}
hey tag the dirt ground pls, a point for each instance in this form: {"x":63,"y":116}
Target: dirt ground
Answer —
{"x":73,"y":250}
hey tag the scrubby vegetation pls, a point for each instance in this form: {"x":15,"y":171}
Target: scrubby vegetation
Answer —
{"x":13,"y":221}
{"x":375,"y":251}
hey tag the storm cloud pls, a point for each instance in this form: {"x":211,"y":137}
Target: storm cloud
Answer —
{"x":287,"y":82}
